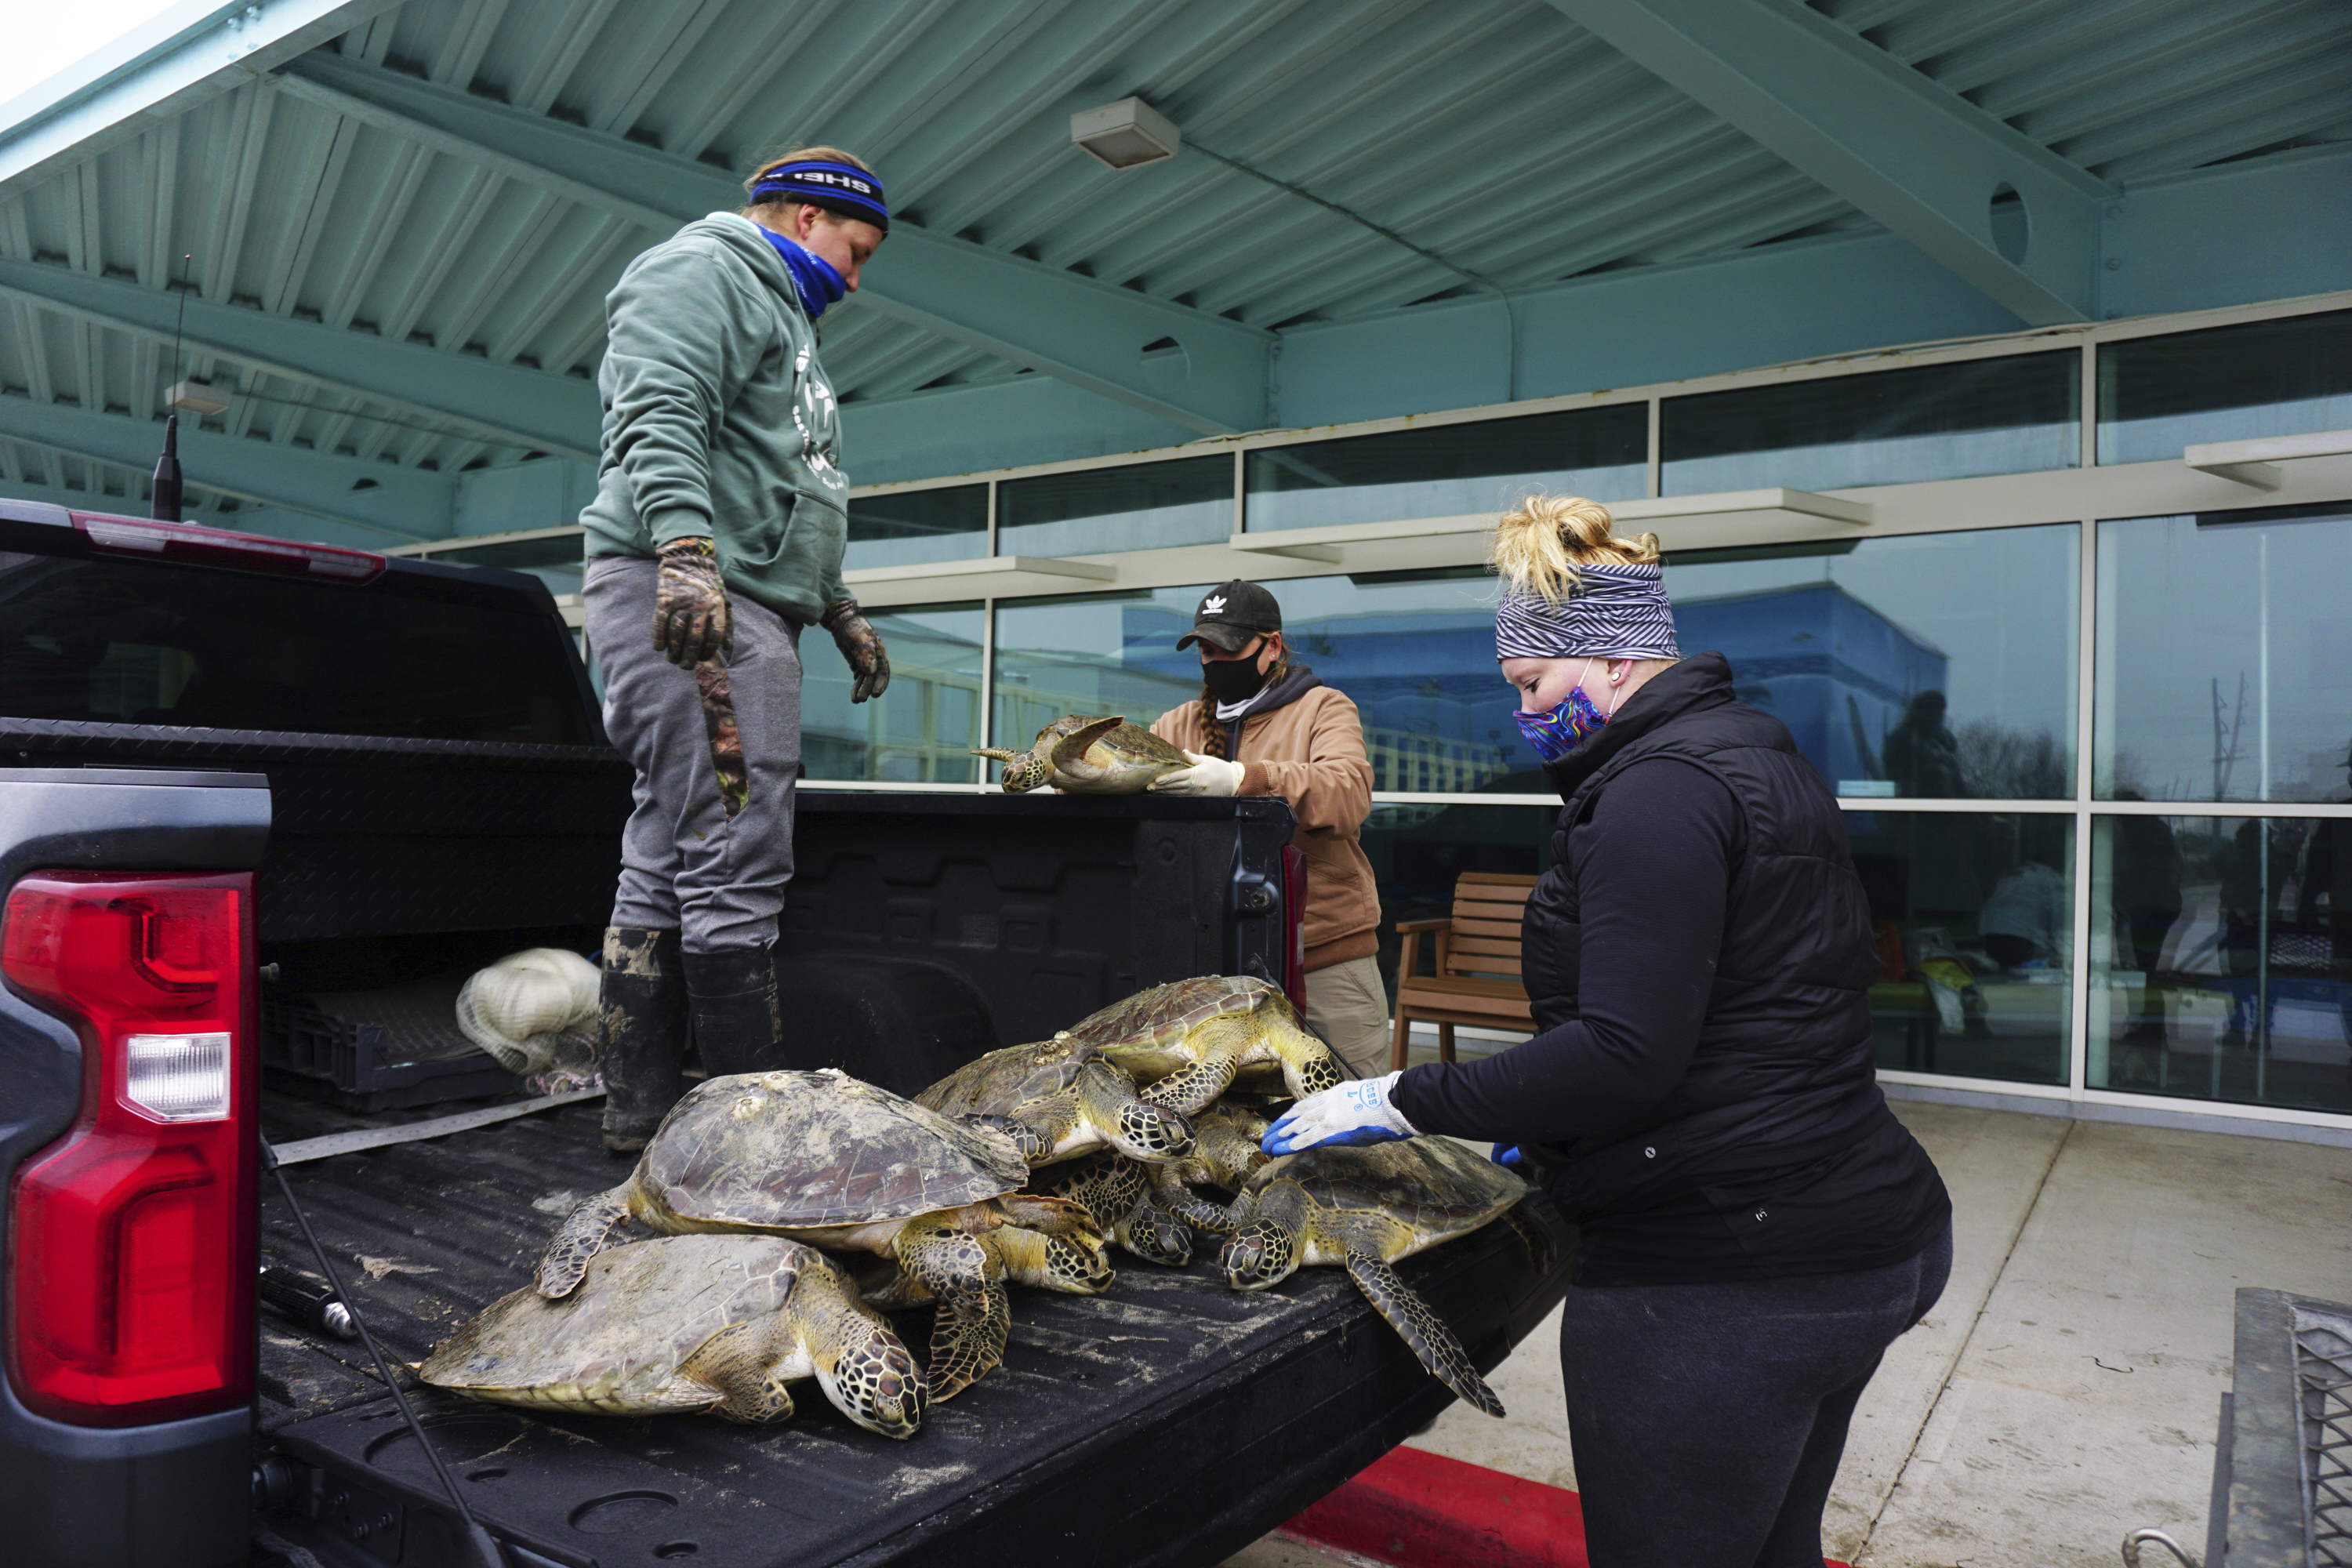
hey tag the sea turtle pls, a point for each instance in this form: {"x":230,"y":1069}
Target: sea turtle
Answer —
{"x":1364,"y":1208}
{"x":1117,"y":1191}
{"x":1087,"y":755}
{"x":684,"y":1324}
{"x":1055,"y":1099}
{"x":1227,"y":1150}
{"x":1187,"y":1040}
{"x":1075,"y":1265}
{"x":825,"y":1159}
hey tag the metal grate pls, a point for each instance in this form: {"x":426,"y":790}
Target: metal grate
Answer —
{"x":2322,"y":1381}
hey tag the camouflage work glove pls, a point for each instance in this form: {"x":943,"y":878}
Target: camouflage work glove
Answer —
{"x":690,"y":616}
{"x":859,"y":644}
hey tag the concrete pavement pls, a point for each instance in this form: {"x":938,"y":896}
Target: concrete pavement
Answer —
{"x":2066,"y":1388}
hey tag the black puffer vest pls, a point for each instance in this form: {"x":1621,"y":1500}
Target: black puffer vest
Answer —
{"x":1783,"y":1069}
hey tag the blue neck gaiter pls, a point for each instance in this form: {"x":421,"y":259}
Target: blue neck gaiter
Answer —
{"x":814,"y":278}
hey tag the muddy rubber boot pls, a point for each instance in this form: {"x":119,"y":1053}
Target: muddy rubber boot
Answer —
{"x":736,"y":1023}
{"x":641,"y":1016}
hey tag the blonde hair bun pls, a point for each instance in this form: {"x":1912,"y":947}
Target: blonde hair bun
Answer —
{"x":1539,"y":544}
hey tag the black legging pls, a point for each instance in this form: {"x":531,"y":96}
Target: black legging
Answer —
{"x":1709,"y":1419}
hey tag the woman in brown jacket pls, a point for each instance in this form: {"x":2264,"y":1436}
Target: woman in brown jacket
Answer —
{"x":1265,"y":726}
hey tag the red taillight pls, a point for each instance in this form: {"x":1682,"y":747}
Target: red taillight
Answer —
{"x":219,"y":547}
{"x":130,"y":1257}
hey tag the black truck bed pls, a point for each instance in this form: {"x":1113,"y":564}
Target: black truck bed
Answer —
{"x":1109,"y":1436}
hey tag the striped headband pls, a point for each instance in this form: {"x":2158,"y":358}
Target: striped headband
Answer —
{"x":1611,"y":612}
{"x":842,"y":188}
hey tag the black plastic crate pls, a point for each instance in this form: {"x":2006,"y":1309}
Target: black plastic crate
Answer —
{"x":378,"y":1050}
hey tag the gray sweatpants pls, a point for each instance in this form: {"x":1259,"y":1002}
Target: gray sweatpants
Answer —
{"x":684,"y":863}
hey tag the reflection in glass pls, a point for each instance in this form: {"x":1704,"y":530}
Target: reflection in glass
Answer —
{"x":1925,"y":665}
{"x":1418,"y":850}
{"x":1973,"y":917}
{"x":2221,"y":958}
{"x":2224,"y":663}
{"x":1141,"y":506}
{"x":1415,"y":652}
{"x":1451,"y":470}
{"x":1892,"y":426}
{"x":905,"y":527}
{"x":922,"y":730}
{"x":2228,"y":383}
{"x":1107,"y":653}
{"x":558,"y":562}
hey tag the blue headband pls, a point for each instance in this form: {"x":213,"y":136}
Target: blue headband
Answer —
{"x":842,"y":188}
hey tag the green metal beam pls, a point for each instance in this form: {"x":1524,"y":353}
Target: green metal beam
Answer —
{"x":157,"y":71}
{"x":1919,"y":159}
{"x":1079,"y":330}
{"x":508,"y":402}
{"x":379,"y":497}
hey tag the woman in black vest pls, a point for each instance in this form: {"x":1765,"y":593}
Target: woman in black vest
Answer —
{"x":1757,"y":1226}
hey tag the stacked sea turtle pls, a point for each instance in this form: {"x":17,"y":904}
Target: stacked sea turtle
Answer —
{"x":1139,"y":1123}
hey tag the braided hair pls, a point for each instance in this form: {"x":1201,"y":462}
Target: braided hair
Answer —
{"x":1213,"y":743}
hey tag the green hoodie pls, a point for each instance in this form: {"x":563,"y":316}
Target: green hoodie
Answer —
{"x":719,"y":421}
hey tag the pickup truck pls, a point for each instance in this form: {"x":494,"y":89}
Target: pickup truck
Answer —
{"x":245,"y":787}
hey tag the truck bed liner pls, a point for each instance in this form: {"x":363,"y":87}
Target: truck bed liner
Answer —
{"x":1106,"y":1436}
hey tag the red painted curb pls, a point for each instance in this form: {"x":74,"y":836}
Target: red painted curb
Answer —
{"x":1420,"y":1510}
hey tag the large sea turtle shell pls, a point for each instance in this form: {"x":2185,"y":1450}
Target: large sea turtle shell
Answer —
{"x":644,"y":1308}
{"x":1145,"y":1033}
{"x":1435,"y":1186}
{"x":993,"y":1084}
{"x":800,"y":1151}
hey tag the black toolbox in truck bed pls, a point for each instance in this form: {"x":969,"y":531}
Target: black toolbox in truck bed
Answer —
{"x":1168,"y":1422}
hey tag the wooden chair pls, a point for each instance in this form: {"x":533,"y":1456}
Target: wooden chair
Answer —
{"x":1476,"y":981}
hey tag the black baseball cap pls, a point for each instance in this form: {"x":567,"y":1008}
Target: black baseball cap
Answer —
{"x":1231,"y":613}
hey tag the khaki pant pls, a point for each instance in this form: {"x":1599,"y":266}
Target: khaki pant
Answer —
{"x":1349,"y":1007}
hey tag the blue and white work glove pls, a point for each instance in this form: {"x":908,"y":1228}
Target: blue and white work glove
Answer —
{"x":1510,"y":1157}
{"x":1346,"y":1113}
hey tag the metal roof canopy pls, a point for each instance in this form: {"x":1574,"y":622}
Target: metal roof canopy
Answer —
{"x":400,"y":217}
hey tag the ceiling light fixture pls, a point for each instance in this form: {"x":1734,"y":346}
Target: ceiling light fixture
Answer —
{"x":195,"y":397}
{"x":1126,"y":134}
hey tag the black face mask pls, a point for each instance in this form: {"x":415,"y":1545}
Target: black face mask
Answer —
{"x":1232,"y":680}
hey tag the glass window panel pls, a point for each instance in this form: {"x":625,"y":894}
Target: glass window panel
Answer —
{"x":1973,"y":917}
{"x":2229,"y":383}
{"x":1892,"y":426}
{"x":2221,"y":958}
{"x":922,"y":730}
{"x":1142,"y":506}
{"x":559,"y":562}
{"x":1104,"y":652}
{"x":2224,"y":659}
{"x":1933,"y":664}
{"x":1417,"y":851}
{"x":908,"y":527}
{"x":1451,"y":470}
{"x":1415,"y":651}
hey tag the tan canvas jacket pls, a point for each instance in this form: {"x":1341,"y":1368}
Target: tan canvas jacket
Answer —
{"x":1310,"y":751}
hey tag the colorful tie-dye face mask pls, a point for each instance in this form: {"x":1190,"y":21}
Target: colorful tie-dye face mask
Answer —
{"x":1566,"y":725}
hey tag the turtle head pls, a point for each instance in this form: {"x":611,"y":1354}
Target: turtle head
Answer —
{"x":875,"y":1383}
{"x":1026,"y":770}
{"x":1262,"y":1253}
{"x":1157,"y":1238}
{"x":1153,"y":1134}
{"x":1078,"y":1265}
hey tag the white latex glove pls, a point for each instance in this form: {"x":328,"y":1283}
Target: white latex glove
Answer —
{"x":1346,"y":1113}
{"x":1207,"y":775}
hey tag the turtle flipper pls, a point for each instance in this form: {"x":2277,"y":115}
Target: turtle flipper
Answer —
{"x":1052,"y":1216}
{"x":1422,"y":1329}
{"x":1543,"y":1250}
{"x":1052,"y":1125}
{"x":580,"y":1238}
{"x":1069,"y":755}
{"x":1188,"y":1090}
{"x":750,"y":1366}
{"x":997,"y":754}
{"x":951,"y":1265}
{"x":1033,"y":1144}
{"x":964,"y":1350}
